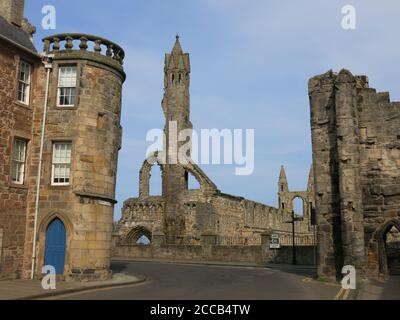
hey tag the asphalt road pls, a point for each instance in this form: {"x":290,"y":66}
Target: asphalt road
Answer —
{"x":182,"y":282}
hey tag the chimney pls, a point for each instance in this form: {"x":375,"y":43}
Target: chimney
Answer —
{"x":12,"y":11}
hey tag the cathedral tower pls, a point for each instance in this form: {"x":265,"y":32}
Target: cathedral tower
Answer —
{"x":176,"y":107}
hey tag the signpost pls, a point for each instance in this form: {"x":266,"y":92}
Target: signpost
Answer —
{"x":294,"y":219}
{"x":274,"y":243}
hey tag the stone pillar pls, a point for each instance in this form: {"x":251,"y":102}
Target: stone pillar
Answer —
{"x":336,"y":160}
{"x":326,"y":188}
{"x":348,"y":153}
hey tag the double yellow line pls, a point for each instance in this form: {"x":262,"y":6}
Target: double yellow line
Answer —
{"x":343,"y":294}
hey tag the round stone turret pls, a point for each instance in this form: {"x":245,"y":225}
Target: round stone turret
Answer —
{"x":83,"y":137}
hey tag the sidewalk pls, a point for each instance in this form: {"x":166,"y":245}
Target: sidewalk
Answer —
{"x":379,"y":290}
{"x":32,"y":289}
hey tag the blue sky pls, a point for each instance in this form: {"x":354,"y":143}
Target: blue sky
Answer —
{"x":250,"y":60}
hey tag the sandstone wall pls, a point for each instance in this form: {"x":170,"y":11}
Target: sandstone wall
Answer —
{"x":356,"y":152}
{"x":15,"y":122}
{"x":86,"y":205}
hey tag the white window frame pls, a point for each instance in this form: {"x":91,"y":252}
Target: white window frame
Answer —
{"x":61,"y":163}
{"x":26,"y":82}
{"x":19,"y":161}
{"x":71,"y":86}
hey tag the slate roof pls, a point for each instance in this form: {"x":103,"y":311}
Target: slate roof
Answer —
{"x":15,"y":34}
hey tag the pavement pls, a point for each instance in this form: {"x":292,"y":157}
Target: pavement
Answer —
{"x":380,"y":290}
{"x":32,"y":289}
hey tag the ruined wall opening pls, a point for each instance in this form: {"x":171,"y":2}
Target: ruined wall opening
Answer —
{"x":298,"y":206}
{"x":155,"y":182}
{"x":139,"y":235}
{"x":191,"y":181}
{"x":143,"y":240}
{"x":392,"y":246}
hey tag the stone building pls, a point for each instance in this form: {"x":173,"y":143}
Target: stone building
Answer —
{"x":17,"y":53}
{"x":356,"y":156}
{"x":73,"y":210}
{"x":184,"y":215}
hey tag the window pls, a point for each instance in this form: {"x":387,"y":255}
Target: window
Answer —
{"x":18,"y":161}
{"x":61,"y":164}
{"x":66,"y":86}
{"x":24,"y":81}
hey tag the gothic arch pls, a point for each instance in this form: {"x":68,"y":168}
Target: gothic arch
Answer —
{"x":303,"y":201}
{"x":135,"y":233}
{"x":43,"y":224}
{"x":206,"y":185}
{"x":48,"y":218}
{"x":379,"y":238}
{"x":145,"y":173}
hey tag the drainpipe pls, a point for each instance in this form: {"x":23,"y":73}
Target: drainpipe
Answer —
{"x":47,"y":62}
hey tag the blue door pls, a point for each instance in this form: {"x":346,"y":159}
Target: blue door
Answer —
{"x":55,"y":245}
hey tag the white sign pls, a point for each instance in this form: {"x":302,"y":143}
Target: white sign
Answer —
{"x":274,"y":243}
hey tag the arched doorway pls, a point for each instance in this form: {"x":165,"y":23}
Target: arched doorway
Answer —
{"x":139,"y":235}
{"x":55,"y":245}
{"x":389,"y":248}
{"x":392,"y":245}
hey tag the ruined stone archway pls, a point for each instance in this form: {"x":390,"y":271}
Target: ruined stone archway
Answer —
{"x":206,"y":185}
{"x":380,"y":239}
{"x":136,"y":233}
{"x":298,"y":198}
{"x":145,"y":174}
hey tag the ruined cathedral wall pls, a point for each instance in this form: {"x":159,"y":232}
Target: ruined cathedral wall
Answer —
{"x":379,"y":121}
{"x":147,"y":213}
{"x":380,"y":158}
{"x":237,"y":216}
{"x":229,"y":215}
{"x":356,"y":152}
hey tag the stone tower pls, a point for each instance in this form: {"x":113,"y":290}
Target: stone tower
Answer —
{"x":286,"y":197}
{"x":283,"y":188}
{"x":82,"y":140}
{"x":176,"y":107}
{"x":335,"y":133}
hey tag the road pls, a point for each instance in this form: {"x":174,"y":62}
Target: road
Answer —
{"x":174,"y":281}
